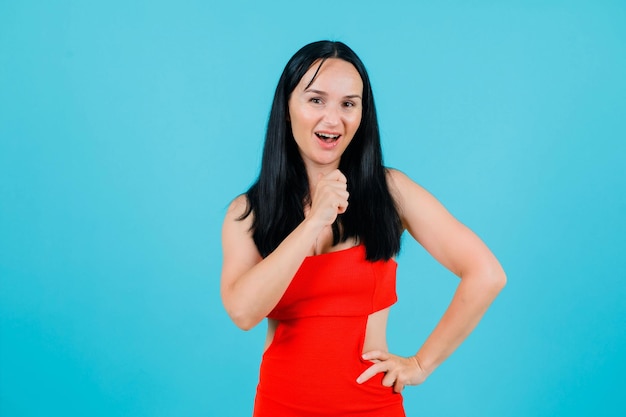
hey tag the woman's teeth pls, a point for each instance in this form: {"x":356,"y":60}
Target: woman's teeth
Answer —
{"x":326,"y":137}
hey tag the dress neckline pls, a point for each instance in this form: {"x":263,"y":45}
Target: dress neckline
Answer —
{"x":342,"y":251}
{"x":339,"y":251}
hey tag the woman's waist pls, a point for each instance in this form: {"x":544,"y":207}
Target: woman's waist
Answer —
{"x":343,"y":338}
{"x":322,"y":374}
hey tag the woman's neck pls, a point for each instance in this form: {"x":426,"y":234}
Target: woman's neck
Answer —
{"x":314,"y":173}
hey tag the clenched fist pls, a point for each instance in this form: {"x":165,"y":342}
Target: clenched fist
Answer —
{"x":329,"y":197}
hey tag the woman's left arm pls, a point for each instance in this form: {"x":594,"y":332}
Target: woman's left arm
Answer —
{"x":458,"y":249}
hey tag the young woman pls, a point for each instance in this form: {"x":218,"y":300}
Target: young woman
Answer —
{"x":311,"y":247}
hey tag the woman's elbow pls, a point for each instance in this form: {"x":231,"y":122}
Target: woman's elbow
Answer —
{"x":243,"y":322}
{"x":496,"y":278}
{"x":242,"y":317}
{"x":489,"y":276}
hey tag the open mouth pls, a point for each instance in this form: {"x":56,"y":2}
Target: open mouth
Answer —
{"x":327,"y":137}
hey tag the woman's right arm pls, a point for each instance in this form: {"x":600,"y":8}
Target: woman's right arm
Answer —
{"x":251,"y":286}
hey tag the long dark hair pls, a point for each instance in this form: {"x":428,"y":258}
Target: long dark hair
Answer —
{"x":276,"y":200}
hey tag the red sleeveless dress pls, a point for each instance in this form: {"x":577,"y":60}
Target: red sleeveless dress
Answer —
{"x":311,"y":366}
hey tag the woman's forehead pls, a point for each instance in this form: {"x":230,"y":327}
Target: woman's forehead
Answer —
{"x":332,"y":73}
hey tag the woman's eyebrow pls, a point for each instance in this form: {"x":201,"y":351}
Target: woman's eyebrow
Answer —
{"x":323,"y":93}
{"x":311,"y":90}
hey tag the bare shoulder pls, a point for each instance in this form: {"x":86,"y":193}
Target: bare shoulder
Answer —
{"x":237,"y":223}
{"x":238,"y":248}
{"x":237,"y":207}
{"x":449,"y":241}
{"x":406,"y":192}
{"x":398,"y":181}
{"x":421,"y":213}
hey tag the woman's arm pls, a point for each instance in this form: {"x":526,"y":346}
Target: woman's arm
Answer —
{"x":251,"y":286}
{"x":458,"y":249}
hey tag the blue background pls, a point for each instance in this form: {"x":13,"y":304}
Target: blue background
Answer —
{"x":126,"y":127}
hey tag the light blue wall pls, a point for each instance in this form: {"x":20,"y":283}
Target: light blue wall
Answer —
{"x":126,"y":127}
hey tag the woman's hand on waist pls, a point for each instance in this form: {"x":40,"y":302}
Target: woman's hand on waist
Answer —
{"x":399,"y":371}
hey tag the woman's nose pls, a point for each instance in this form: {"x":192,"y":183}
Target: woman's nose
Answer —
{"x":331,"y":116}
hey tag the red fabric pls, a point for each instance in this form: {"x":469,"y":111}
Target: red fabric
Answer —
{"x":310,"y":369}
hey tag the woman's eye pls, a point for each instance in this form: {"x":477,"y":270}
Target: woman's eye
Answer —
{"x":316,"y":100}
{"x":348,"y":104}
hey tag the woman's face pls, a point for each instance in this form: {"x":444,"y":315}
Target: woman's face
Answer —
{"x":325,"y":115}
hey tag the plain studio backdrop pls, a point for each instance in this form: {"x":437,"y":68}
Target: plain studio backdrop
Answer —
{"x":126,"y":127}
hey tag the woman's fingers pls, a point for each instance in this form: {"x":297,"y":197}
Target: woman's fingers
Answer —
{"x":399,"y":371}
{"x":371,"y":371}
{"x":334,"y":175}
{"x":330,"y":196}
